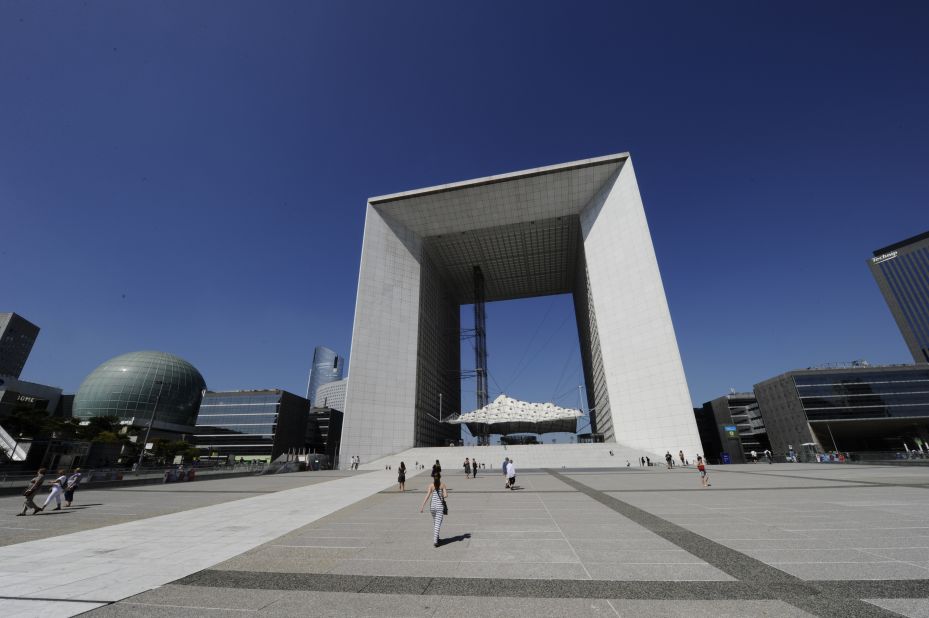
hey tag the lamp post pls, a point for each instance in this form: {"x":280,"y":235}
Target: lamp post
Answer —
{"x":151,"y":420}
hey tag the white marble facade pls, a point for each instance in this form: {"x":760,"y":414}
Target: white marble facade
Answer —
{"x":527,"y":231}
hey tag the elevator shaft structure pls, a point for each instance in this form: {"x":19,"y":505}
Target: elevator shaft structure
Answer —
{"x":480,"y":339}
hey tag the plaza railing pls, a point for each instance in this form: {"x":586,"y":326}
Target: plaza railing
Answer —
{"x":103,"y":476}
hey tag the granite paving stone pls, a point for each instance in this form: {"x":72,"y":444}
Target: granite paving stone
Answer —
{"x":784,"y":540}
{"x":913,"y":608}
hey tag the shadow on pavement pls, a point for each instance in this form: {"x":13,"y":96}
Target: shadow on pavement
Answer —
{"x":454,"y":539}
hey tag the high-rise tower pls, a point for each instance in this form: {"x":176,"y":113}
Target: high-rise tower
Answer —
{"x":17,"y":336}
{"x":327,"y":367}
{"x":902,"y":274}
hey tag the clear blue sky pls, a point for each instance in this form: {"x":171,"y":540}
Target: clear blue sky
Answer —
{"x":191,"y":176}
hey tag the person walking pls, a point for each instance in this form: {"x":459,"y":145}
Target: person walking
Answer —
{"x":642,"y":462}
{"x":701,"y":468}
{"x":73,"y":481}
{"x":401,"y":476}
{"x":55,"y":490}
{"x":436,"y":469}
{"x":506,"y":460}
{"x":436,"y":493}
{"x":668,"y":460}
{"x":511,"y":475}
{"x":768,"y":456}
{"x":681,"y":455}
{"x":648,"y":462}
{"x":754,"y":456}
{"x":474,"y":468}
{"x":467,"y":468}
{"x":34,"y":486}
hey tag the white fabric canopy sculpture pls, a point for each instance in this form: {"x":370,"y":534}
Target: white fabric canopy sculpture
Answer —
{"x":520,"y":416}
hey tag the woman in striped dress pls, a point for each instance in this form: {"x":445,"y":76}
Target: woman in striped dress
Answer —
{"x":436,"y":493}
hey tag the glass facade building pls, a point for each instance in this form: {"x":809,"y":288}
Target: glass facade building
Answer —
{"x":854,"y":408}
{"x":128,"y":386}
{"x":256,"y":425}
{"x":327,"y":367}
{"x":865,"y":394}
{"x":902,"y":274}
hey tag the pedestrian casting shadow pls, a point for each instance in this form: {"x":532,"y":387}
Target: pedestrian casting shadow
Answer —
{"x":53,"y":513}
{"x":454,"y":539}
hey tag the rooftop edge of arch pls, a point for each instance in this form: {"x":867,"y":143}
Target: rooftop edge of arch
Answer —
{"x":500,"y":178}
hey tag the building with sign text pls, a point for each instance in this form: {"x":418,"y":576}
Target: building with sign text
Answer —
{"x":902,"y":274}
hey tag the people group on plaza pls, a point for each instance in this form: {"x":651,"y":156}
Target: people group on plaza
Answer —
{"x":437,"y":492}
{"x":470,"y":468}
{"x":64,"y":485}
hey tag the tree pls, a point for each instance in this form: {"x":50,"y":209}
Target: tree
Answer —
{"x":97,"y":425}
{"x":107,"y":437}
{"x":62,"y":428}
{"x":25,"y":422}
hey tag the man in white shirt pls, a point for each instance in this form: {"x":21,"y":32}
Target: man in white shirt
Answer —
{"x":510,"y":474}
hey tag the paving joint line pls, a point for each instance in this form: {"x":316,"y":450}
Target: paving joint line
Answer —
{"x":804,"y":595}
{"x":565,"y":537}
{"x":819,"y":478}
{"x":53,"y":600}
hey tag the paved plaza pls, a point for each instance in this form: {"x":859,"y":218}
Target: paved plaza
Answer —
{"x":783,"y":539}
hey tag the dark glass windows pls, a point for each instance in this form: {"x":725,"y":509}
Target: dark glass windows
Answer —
{"x":864,"y":394}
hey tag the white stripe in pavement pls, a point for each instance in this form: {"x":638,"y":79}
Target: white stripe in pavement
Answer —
{"x":122,"y":560}
{"x":326,"y":546}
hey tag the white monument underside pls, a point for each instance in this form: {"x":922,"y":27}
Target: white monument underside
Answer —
{"x":575,"y":228}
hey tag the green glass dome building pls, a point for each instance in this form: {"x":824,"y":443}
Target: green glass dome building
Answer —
{"x":128,"y":385}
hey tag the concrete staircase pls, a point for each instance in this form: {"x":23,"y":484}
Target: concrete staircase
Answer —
{"x":11,"y":449}
{"x":524,"y":456}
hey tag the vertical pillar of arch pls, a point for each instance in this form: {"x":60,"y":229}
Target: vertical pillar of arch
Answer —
{"x":649,"y":402}
{"x":381,"y":394}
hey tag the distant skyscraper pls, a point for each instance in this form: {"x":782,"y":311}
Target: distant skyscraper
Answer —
{"x":902,"y":274}
{"x":17,"y":336}
{"x":327,"y":367}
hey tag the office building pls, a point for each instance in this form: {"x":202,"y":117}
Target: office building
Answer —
{"x":324,"y":432}
{"x":902,"y":274}
{"x":332,"y":395}
{"x":731,"y":427}
{"x":327,"y":367}
{"x":19,"y":396}
{"x":17,"y":336}
{"x":577,"y":228}
{"x":22,"y":395}
{"x":846,"y":408}
{"x":255,"y":425}
{"x":143,"y":387}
